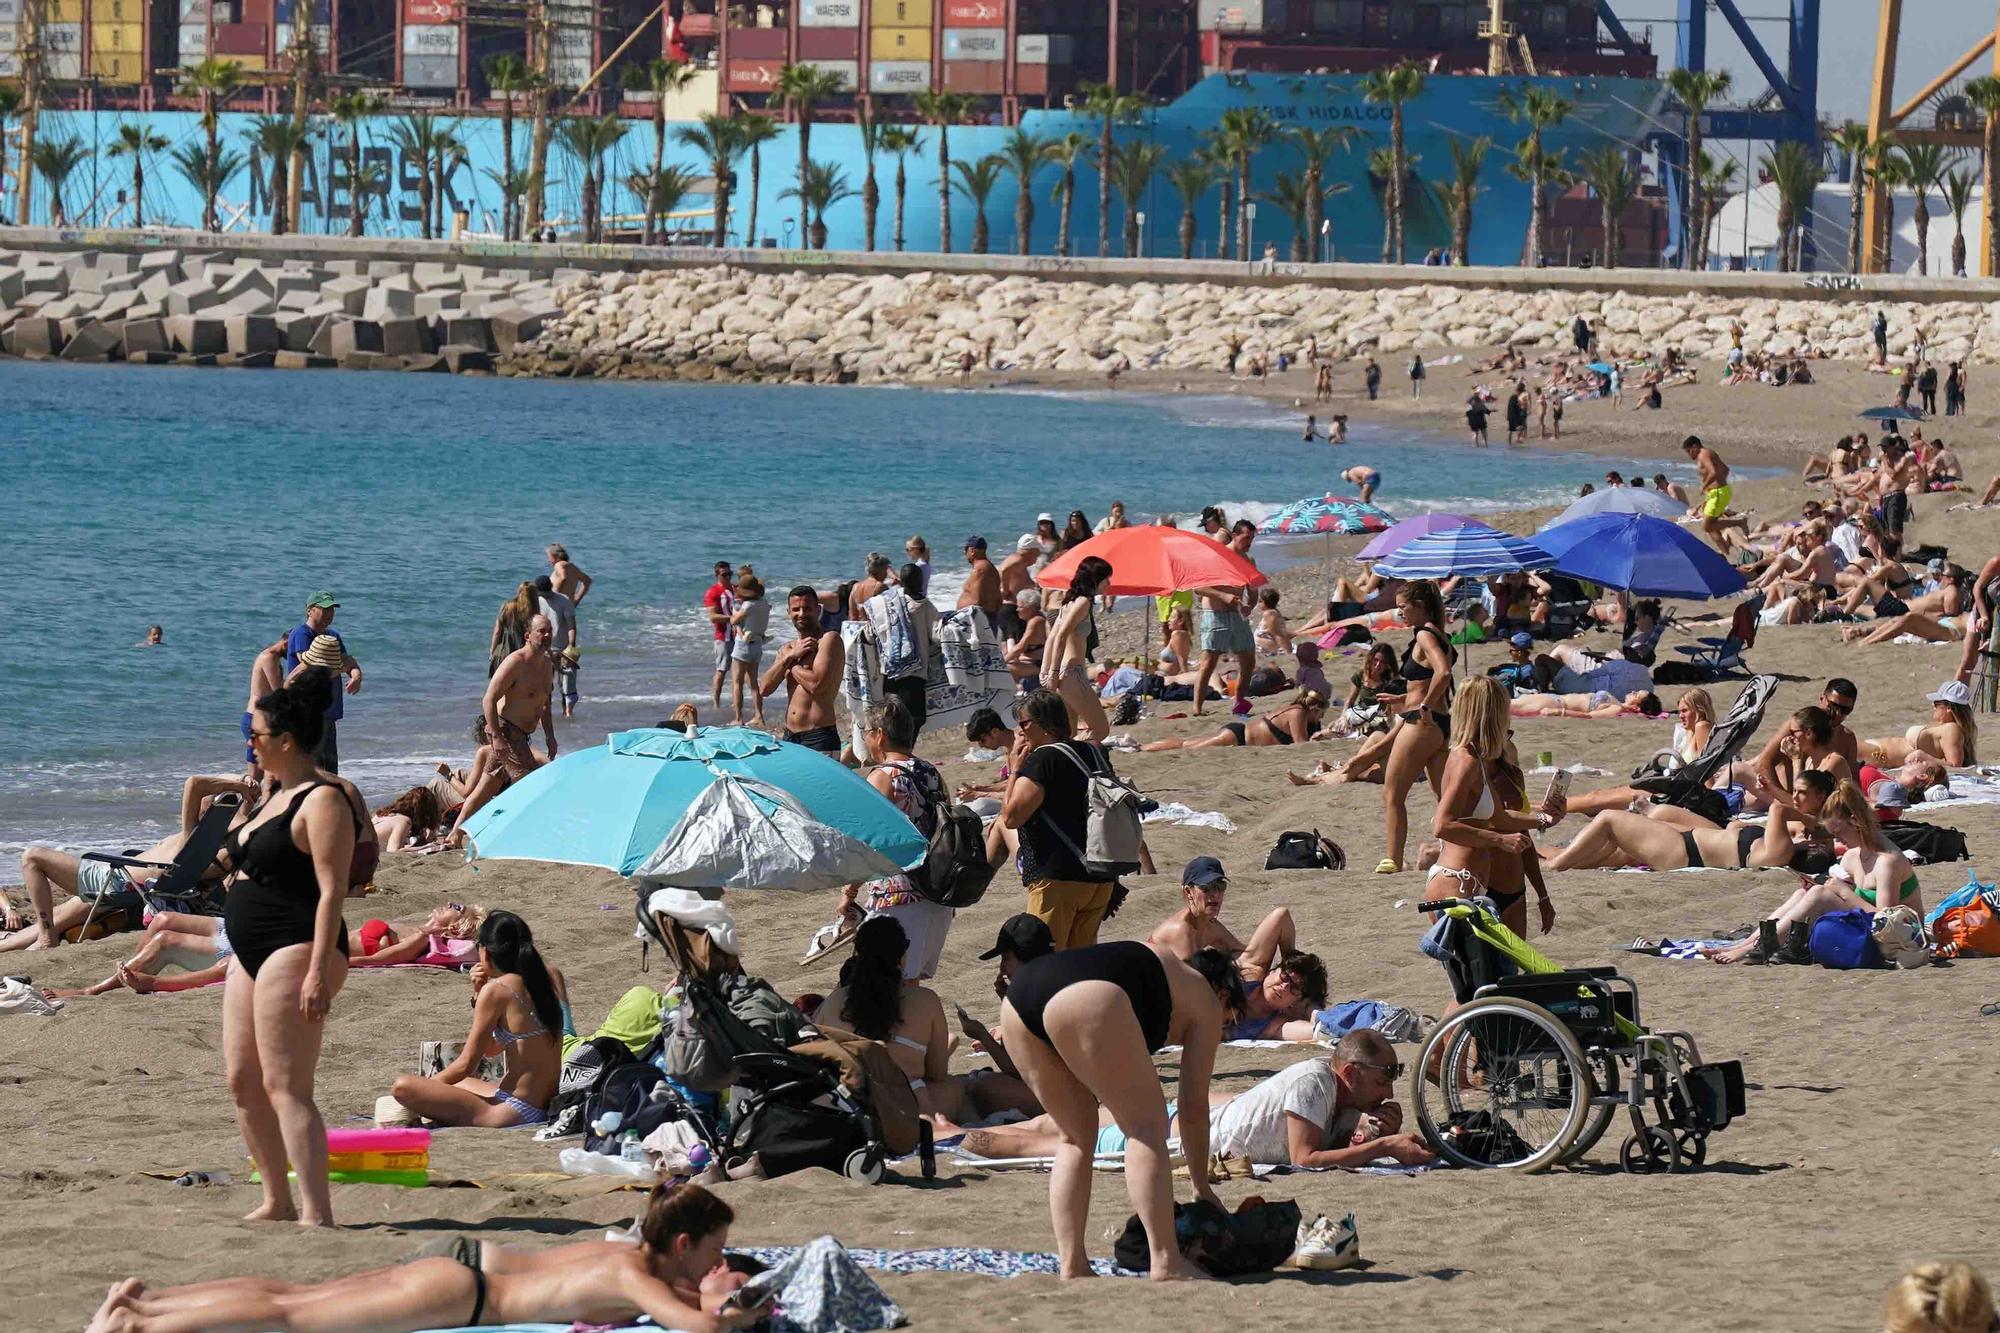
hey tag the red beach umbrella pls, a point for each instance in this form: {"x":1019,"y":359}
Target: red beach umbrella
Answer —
{"x":1152,"y":560}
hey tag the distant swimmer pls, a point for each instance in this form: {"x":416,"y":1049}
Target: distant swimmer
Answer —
{"x":1367,"y":478}
{"x":1311,"y":431}
{"x":1337,"y":432}
{"x":156,"y":636}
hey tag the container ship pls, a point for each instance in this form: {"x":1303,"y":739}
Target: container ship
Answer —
{"x":1023,"y":65}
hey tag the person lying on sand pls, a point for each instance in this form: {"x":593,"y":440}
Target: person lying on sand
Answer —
{"x":1596,"y":704}
{"x":1951,"y":736}
{"x":1198,"y":924}
{"x":675,"y":1274}
{"x":1621,"y":838}
{"x":1279,"y":999}
{"x":1295,"y":723}
{"x":1332,"y":1110}
{"x":1366,"y":764}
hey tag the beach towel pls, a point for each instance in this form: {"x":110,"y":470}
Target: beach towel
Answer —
{"x":18,"y":997}
{"x":979,"y":1261}
{"x":967,"y":671}
{"x":861,"y":678}
{"x":1173,"y":812}
{"x":892,"y":616}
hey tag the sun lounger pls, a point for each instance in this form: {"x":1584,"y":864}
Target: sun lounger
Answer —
{"x":179,"y":887}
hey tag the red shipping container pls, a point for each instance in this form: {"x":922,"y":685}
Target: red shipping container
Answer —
{"x":242,"y":39}
{"x":1031,"y":80}
{"x":753,"y":76}
{"x":823,"y":43}
{"x":975,"y":13}
{"x":259,"y":11}
{"x":759,"y":44}
{"x":975,"y":76}
{"x":427,"y":13}
{"x":698,"y":25}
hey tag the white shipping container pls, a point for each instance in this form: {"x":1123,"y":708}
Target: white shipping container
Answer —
{"x":1041,"y":48}
{"x":10,"y":63}
{"x":572,"y":42}
{"x":830,"y":14}
{"x":570,"y":71}
{"x":848,"y":70}
{"x":975,"y":43}
{"x":430,"y":71}
{"x":10,"y":13}
{"x":899,"y":76}
{"x":64,"y":38}
{"x":193,"y":41}
{"x":430,"y":39}
{"x":64,"y":64}
{"x":1232,"y":15}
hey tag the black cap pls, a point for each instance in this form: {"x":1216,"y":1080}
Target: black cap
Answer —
{"x":975,"y":543}
{"x":1025,"y":936}
{"x":1204,"y":871}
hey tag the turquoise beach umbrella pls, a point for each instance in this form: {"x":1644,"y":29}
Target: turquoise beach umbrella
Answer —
{"x":717,"y":808}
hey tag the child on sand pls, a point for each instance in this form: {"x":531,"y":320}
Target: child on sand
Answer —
{"x":675,"y":1274}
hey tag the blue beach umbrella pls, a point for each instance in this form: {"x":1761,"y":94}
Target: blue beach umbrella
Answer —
{"x":1474,"y":550}
{"x":1891,"y":414}
{"x":1620,"y":500}
{"x":717,"y":808}
{"x":1647,"y":556}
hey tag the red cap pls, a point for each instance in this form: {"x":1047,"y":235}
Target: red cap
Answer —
{"x":373,"y":935}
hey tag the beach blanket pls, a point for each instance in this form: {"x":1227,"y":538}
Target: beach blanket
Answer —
{"x":1173,"y":812}
{"x":894,"y":623}
{"x":1978,"y":787}
{"x":861,"y":678}
{"x":967,"y":671}
{"x":977,"y":1260}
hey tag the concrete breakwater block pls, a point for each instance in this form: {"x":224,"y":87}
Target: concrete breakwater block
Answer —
{"x":245,"y":334}
{"x":35,"y":336}
{"x":459,"y":358}
{"x":303,"y":361}
{"x":145,"y":335}
{"x":197,"y":336}
{"x":347,"y":337}
{"x":93,"y":341}
{"x":351,"y":294}
{"x":295,"y":331}
{"x":406,"y":337}
{"x":191,"y":296}
{"x":468,"y":331}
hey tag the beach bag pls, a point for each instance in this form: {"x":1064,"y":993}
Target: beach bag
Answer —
{"x":869,"y":1072}
{"x":1899,"y":938}
{"x":1969,"y":930}
{"x":1111,"y":820}
{"x":1928,"y":843}
{"x":792,"y":1136}
{"x":1305,"y":851}
{"x":581,"y":1079}
{"x":1256,"y":1238}
{"x":955,"y":871}
{"x":629,"y":1091}
{"x":1842,"y":940}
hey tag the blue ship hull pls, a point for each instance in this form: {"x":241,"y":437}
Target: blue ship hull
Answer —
{"x":1618,"y":111}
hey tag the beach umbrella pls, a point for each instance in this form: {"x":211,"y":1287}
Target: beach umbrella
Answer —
{"x":716,"y":808}
{"x":1151,"y":560}
{"x":1407,"y":531}
{"x":1620,"y":500}
{"x":1326,"y":515}
{"x":1601,"y":367}
{"x":1639,"y":554}
{"x":1891,"y":414}
{"x":1473,"y":550}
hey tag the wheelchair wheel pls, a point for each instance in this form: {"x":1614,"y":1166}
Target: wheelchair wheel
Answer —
{"x":1604,"y":1085}
{"x":1655,"y":1151}
{"x":1694,"y":1149}
{"x":1501,"y":1083}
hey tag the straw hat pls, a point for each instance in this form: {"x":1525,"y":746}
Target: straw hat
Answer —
{"x":325,"y":652}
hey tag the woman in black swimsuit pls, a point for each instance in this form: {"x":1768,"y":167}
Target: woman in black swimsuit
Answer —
{"x":1419,"y":744}
{"x":1296,"y":722}
{"x":292,"y":858}
{"x":1082,"y":1025}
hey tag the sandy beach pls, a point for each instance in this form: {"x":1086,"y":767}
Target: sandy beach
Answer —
{"x":1868,"y":1141}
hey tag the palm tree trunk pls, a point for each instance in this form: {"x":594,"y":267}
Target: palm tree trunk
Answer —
{"x":1958,"y":251}
{"x":902,"y":188}
{"x":1024,"y":216}
{"x":1990,"y":169}
{"x":425,"y":193}
{"x":1537,"y":202}
{"x":1068,"y":198}
{"x":1298,"y":247}
{"x":1243,"y":204}
{"x":138,"y":189}
{"x":1187,"y":232}
{"x":1104,"y":150}
{"x":1396,"y":183}
{"x":1693,"y":177}
{"x":979,"y":232}
{"x":1388,"y":225}
{"x":944,"y":189}
{"x":805,"y":160}
{"x":1922,"y":217}
{"x":1609,"y":224}
{"x":1315,"y":210}
{"x":1461,"y":228}
{"x":213,"y":132}
{"x":659,"y":165}
{"x":871,"y":204}
{"x":1223,"y":232}
{"x":1854,"y":219}
{"x":1131,"y":230}
{"x":509,"y":195}
{"x":722,"y":201}
{"x":280,"y":192}
{"x":756,"y":189}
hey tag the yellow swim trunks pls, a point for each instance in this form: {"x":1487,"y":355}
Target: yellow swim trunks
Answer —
{"x":1715,"y":503}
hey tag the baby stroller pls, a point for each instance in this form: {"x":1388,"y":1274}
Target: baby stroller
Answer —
{"x":1686,"y":785}
{"x":800,"y":1097}
{"x":1530,"y":1069}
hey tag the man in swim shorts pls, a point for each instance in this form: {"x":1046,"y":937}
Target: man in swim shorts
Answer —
{"x":517,"y":701}
{"x":811,"y":667}
{"x":1367,"y":478}
{"x":1716,"y":491}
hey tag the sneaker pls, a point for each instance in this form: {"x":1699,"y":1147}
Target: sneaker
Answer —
{"x":1325,"y":1245}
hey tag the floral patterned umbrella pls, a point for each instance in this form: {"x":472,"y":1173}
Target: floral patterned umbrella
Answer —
{"x":1325,"y":515}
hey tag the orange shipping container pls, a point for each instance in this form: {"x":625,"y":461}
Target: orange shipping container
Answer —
{"x":975,"y":76}
{"x":900,"y":14}
{"x":899,"y":44}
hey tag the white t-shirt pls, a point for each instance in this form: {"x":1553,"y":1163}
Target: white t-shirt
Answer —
{"x":1253,"y":1125}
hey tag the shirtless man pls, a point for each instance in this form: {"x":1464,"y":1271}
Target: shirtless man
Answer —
{"x":266,"y":674}
{"x":1715,"y":489}
{"x":1673,"y":490}
{"x":1367,"y":478}
{"x":1837,"y":701}
{"x":1980,"y":626}
{"x":1224,"y":627}
{"x":1895,"y":475}
{"x":1017,"y":571}
{"x":982,"y":581}
{"x":1198,"y":925}
{"x":811,"y":667}
{"x":565,"y":577}
{"x":517,"y":701}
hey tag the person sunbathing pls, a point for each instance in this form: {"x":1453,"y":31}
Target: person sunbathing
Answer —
{"x":1809,"y":740}
{"x":196,"y":944}
{"x":1332,"y":1110}
{"x":1198,"y":925}
{"x":1951,"y":736}
{"x":1294,"y":724}
{"x":1623,"y":838}
{"x":1366,"y":764}
{"x":412,"y":820}
{"x":1596,"y":704}
{"x":114,"y":889}
{"x":676,"y":1275}
{"x":1279,"y":999}
{"x":1872,"y":875}
{"x":1936,"y":616}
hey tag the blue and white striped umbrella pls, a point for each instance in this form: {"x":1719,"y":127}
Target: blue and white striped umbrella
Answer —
{"x":1473,"y":550}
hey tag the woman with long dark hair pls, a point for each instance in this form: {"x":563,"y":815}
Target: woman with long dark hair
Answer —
{"x":1073,"y":643}
{"x":510,"y":626}
{"x":520,"y":1012}
{"x":875,"y":1002}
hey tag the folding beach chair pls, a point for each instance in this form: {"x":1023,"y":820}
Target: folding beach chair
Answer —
{"x":1723,"y":656}
{"x":179,"y":888}
{"x":1687,"y":786}
{"x":1644,"y":648}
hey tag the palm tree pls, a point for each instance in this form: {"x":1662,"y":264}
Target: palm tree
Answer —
{"x":1608,"y":171}
{"x":753,"y":130}
{"x":349,"y":110}
{"x":1245,"y":131}
{"x":507,"y":77}
{"x":588,"y":141}
{"x":275,"y":139}
{"x":1215,"y":151}
{"x":212,"y":81}
{"x":1694,"y":90}
{"x":943,"y":110}
{"x":1111,"y":107}
{"x":448,"y":154}
{"x":662,"y":190}
{"x":1393,"y":88}
{"x":870,"y":130}
{"x":1924,"y":165}
{"x":366,"y":178}
{"x":1023,"y":154}
{"x":1132,"y":168}
{"x":1288,"y":195}
{"x":803,"y":88}
{"x":209,"y":172}
{"x":415,"y":136}
{"x":1717,"y":180}
{"x":976,"y":181}
{"x":135,"y":141}
{"x":57,"y":160}
{"x":1066,"y":152}
{"x":1468,"y":157}
{"x":1887,"y":171}
{"x":899,"y":141}
{"x":1958,"y":187}
{"x":1542,"y":110}
{"x":1852,"y":141}
{"x":534,"y":205}
{"x":660,"y":79}
{"x":1984,"y":94}
{"x":1795,"y":171}
{"x":1191,"y":177}
{"x":1317,"y":147}
{"x":1381,"y":174}
{"x":825,"y":185}
{"x":10,"y":103}
{"x":719,"y":139}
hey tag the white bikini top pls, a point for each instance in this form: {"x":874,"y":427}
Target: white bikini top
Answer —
{"x":1483,"y":807}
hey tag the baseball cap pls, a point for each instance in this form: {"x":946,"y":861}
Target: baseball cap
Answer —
{"x":1027,"y":543}
{"x":1935,"y":567}
{"x":1888,"y":794}
{"x":1204,"y":871}
{"x":1045,"y":517}
{"x":1025,"y":936}
{"x":322,"y":600}
{"x":976,"y":543}
{"x":1522,"y":639}
{"x":1951,"y":692}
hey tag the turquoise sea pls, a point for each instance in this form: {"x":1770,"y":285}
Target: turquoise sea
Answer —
{"x":215,"y":502}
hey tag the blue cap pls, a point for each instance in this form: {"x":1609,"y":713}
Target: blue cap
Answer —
{"x":1204,"y":871}
{"x":1522,"y":639}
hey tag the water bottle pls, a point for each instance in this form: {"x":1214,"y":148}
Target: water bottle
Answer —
{"x":633,"y":1151}
{"x":608,"y":1123}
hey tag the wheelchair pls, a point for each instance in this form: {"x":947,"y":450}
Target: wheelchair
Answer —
{"x":1537,"y":1061}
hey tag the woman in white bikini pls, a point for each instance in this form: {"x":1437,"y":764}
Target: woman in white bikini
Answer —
{"x":1470,"y":822}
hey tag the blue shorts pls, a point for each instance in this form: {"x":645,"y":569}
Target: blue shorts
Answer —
{"x":1111,"y":1140}
{"x":1226,"y":631}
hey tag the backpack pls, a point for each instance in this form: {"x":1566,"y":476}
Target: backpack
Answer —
{"x":1256,"y":1238}
{"x":956,"y":870}
{"x":1842,"y":940}
{"x":582,"y":1077}
{"x":1970,"y":929}
{"x":628,"y":1089}
{"x":1928,"y":843}
{"x":1111,"y":820}
{"x":1306,"y":851}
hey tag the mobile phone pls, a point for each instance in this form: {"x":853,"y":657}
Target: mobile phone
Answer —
{"x":1558,"y":787}
{"x":748,"y":1301}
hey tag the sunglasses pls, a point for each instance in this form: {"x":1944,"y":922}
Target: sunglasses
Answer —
{"x":1392,"y":1071}
{"x":1835,"y":706}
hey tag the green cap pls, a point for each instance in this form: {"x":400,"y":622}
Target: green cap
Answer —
{"x":321,"y":599}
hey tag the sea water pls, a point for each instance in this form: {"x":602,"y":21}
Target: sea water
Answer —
{"x":214,"y":503}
